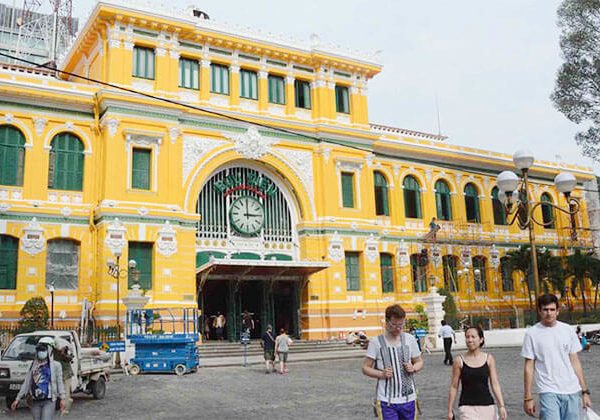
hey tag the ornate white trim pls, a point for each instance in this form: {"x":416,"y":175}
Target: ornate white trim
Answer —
{"x":402,"y":256}
{"x":302,"y":163}
{"x":371,"y":248}
{"x":33,"y":241}
{"x":167,"y":240}
{"x":194,"y":149}
{"x":336,"y":248}
{"x":251,"y":144}
{"x":39,"y":124}
{"x":112,"y":124}
{"x":174,"y":132}
{"x":116,"y":237}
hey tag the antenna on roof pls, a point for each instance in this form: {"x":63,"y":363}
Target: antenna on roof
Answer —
{"x":200,"y":14}
{"x":437,"y":110}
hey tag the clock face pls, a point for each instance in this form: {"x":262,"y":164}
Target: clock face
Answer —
{"x":247,"y":215}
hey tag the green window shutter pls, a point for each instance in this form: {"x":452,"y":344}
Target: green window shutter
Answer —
{"x":248,"y":84}
{"x":352,"y":271}
{"x":276,"y":90}
{"x":387,"y":273}
{"x":66,"y":166}
{"x":143,"y":62}
{"x":188,"y":74}
{"x":219,"y":79}
{"x":141,"y":252}
{"x":347,"y":190}
{"x":140,"y":169}
{"x":8,"y":262}
{"x":12,"y":156}
{"x":472,"y":204}
{"x":381,"y":195}
{"x":302,"y":94}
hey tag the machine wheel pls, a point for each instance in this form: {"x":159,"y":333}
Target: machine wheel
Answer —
{"x":9,"y":400}
{"x":180,"y":369}
{"x":98,"y":388}
{"x":134,"y":369}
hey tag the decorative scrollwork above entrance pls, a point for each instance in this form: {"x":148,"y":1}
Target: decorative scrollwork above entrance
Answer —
{"x":251,"y":144}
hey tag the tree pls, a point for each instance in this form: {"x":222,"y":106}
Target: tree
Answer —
{"x":520,"y":259}
{"x":579,"y":267}
{"x":34,"y":315}
{"x":577,"y":90}
{"x":449,"y":306}
{"x":550,"y":269}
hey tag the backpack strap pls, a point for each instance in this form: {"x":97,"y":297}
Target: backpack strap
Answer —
{"x":387,"y":362}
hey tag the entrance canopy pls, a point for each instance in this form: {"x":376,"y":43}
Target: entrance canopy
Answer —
{"x":227,"y":269}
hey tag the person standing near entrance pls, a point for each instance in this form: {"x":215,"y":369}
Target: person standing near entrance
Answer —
{"x":446,"y":333}
{"x":268,"y":344}
{"x":550,"y":351}
{"x":393,"y":358}
{"x":219,"y":325}
{"x":282,"y":347}
{"x":247,"y":322}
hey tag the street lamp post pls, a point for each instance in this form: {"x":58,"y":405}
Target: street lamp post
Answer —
{"x":51,"y":290}
{"x":115,"y":271}
{"x":522,"y":208}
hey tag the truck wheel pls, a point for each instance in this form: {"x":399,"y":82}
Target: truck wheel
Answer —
{"x":180,"y":369}
{"x":134,"y":369}
{"x":99,"y":388}
{"x":9,"y":400}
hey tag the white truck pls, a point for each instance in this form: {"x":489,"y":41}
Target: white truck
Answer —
{"x":90,"y":365}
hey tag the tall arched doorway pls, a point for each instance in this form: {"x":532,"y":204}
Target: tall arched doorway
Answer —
{"x":247,"y":251}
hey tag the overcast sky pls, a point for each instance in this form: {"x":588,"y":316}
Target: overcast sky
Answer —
{"x":491,"y":64}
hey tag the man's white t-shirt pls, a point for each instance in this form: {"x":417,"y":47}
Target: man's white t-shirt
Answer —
{"x":446,"y":332}
{"x":390,"y":390}
{"x":550,"y":347}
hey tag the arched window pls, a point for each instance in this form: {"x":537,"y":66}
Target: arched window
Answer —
{"x":387,"y":272}
{"x":12,"y":156}
{"x":66,"y":163}
{"x":479,"y":263}
{"x":506,"y":273}
{"x":547,"y":211}
{"x":381,"y":195}
{"x":499,"y":213}
{"x":62,"y":264}
{"x":442,"y":200}
{"x":472,"y":203}
{"x":412,"y":198}
{"x":9,"y":251}
{"x":450,"y":262}
{"x":419,"y":273}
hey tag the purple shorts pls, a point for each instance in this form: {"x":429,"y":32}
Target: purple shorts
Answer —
{"x":404,"y":411}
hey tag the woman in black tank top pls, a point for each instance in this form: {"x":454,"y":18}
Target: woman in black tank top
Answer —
{"x":476,"y":372}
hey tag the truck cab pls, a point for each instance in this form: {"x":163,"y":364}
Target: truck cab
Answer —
{"x":90,"y":366}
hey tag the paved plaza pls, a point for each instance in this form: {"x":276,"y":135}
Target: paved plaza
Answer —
{"x":319,"y":390}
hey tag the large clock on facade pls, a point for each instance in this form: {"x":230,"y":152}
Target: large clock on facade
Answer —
{"x":247,"y":216}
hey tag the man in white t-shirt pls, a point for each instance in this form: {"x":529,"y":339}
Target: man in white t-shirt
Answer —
{"x":393,"y":364}
{"x":550,"y":350}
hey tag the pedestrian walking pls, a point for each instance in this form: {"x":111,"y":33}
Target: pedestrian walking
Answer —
{"x":475,"y":371}
{"x":282,"y":347}
{"x":447,"y":334}
{"x":585,"y":344}
{"x":219,"y":325}
{"x":64,"y":355}
{"x":393,"y":358}
{"x":268,"y":344}
{"x":550,"y":350}
{"x":43,"y":384}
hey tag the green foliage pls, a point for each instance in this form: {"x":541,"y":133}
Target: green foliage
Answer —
{"x":34,"y":315}
{"x":577,"y":92}
{"x":420,"y":321}
{"x":449,"y":305}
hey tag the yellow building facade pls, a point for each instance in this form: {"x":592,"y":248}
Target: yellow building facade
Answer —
{"x":241,"y":172}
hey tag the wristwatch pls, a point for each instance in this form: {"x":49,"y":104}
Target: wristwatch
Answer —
{"x":585,"y":391}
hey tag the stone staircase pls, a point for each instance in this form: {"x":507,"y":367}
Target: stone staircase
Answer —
{"x":214,"y":353}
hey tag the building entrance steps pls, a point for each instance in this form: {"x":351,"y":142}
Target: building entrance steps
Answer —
{"x":213,"y":354}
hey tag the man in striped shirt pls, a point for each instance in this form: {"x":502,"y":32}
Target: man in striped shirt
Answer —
{"x":393,"y":358}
